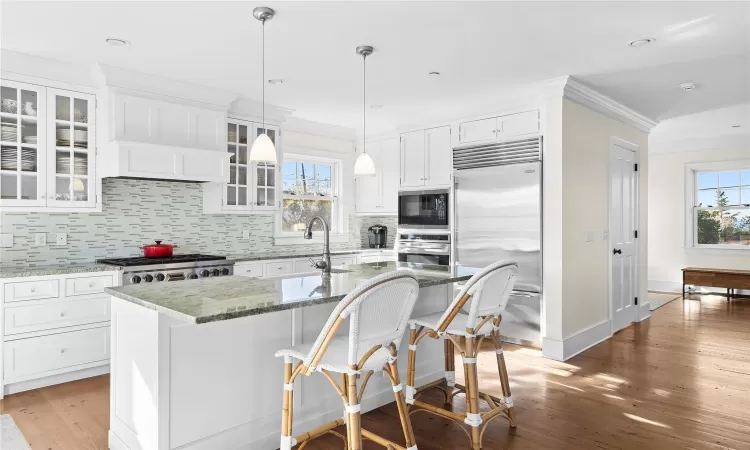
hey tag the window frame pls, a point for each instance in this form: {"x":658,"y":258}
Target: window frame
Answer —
{"x":692,"y":171}
{"x":337,"y":213}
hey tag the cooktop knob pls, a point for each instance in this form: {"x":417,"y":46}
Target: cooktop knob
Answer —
{"x":160,"y":277}
{"x":136,"y":279}
{"x":148,"y":278}
{"x":225,"y":271}
{"x":193,"y":276}
{"x":215,"y":272}
{"x":205,"y":273}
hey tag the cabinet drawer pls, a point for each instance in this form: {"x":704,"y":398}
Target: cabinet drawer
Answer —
{"x":46,"y":316}
{"x":41,"y":354}
{"x":249,"y":270}
{"x":342,"y":262}
{"x":305,"y":266}
{"x":370,"y":259}
{"x":87,"y":285}
{"x":32,"y":290}
{"x":274,"y":269}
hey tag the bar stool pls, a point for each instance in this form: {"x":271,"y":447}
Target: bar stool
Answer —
{"x":478,"y":309}
{"x":378,"y":311}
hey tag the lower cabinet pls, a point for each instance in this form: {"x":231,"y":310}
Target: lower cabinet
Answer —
{"x":55,"y":329}
{"x":283,"y":267}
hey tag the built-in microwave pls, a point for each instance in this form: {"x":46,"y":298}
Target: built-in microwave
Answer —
{"x":423,"y":209}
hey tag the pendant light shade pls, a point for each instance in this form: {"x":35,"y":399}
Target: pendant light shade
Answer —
{"x":263,"y":150}
{"x":364,"y":166}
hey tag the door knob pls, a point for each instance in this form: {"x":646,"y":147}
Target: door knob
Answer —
{"x":617,"y":251}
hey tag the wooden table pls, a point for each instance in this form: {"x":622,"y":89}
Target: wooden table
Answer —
{"x":725,"y":278}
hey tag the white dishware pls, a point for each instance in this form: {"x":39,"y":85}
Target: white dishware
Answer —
{"x":9,"y":106}
{"x":29,"y":109}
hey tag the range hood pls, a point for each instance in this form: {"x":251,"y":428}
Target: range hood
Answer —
{"x":178,"y":134}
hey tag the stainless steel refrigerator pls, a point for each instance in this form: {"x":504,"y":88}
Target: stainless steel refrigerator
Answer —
{"x":498,"y":207}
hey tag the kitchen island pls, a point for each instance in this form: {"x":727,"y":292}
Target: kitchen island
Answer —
{"x":193,"y":363}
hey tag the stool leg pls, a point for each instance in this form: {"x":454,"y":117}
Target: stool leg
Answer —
{"x":411,"y":366}
{"x":403,"y":411}
{"x":503,"y":371}
{"x":473,"y":417}
{"x":450,"y":371}
{"x":353,"y":416}
{"x":287,"y":441}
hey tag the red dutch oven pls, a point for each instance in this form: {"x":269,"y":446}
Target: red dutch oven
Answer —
{"x":158,"y":250}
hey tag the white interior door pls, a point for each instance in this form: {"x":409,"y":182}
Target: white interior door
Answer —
{"x":624,"y":203}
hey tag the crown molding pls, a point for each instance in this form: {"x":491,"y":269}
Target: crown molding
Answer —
{"x":319,"y":129}
{"x":582,"y":94}
{"x":245,"y":108}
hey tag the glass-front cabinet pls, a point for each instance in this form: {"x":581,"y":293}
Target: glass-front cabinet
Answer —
{"x":47,"y":148}
{"x":252,"y":186}
{"x":22,"y":144}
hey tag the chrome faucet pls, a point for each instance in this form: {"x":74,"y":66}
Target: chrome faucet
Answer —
{"x":325,"y":264}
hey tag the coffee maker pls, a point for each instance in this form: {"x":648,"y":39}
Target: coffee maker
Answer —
{"x":377,"y":236}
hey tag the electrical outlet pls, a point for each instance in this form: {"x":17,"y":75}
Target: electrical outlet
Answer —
{"x":589,"y":236}
{"x":605,"y":235}
{"x":245,"y":234}
{"x":61,"y":239}
{"x":40,"y":239}
{"x":6,"y":240}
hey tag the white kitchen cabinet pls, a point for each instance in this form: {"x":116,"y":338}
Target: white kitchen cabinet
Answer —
{"x":499,"y":128}
{"x":412,"y":159}
{"x":252,"y":187}
{"x":426,"y":158}
{"x":379,"y":194}
{"x":47,"y":149}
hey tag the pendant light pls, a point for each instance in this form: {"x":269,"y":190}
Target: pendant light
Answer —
{"x":364,"y":166}
{"x":263,"y":149}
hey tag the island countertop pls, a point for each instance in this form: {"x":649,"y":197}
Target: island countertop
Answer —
{"x":215,"y":299}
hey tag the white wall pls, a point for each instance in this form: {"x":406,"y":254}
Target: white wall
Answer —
{"x":576,"y":165}
{"x":667,"y":251}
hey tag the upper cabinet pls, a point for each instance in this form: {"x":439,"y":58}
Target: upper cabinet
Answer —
{"x":498,"y":128}
{"x":48,"y":151}
{"x":252,"y":186}
{"x":426,"y":158}
{"x":379,"y":194}
{"x":164,"y":139}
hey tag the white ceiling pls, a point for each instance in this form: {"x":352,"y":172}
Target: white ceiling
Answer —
{"x":481,"y":49}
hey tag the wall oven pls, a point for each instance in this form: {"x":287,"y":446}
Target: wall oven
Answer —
{"x":423,"y":209}
{"x":424,"y":248}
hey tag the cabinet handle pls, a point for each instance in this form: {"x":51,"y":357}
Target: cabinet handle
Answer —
{"x":63,"y":350}
{"x":91,"y":285}
{"x":62,"y":314}
{"x":33,"y":289}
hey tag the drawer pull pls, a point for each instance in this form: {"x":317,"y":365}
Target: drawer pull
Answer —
{"x":63,"y":350}
{"x":62,"y":314}
{"x":91,"y":285}
{"x":33,"y":289}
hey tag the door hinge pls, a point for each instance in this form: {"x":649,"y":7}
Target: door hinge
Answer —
{"x":636,"y":234}
{"x":636,"y":300}
{"x":636,"y":167}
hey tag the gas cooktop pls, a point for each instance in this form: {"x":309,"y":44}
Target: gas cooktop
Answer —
{"x":175,"y":259}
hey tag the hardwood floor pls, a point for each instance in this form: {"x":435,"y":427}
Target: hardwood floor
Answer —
{"x":680,"y":380}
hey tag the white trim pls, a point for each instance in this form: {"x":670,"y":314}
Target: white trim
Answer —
{"x":576,"y":343}
{"x":665,"y":286}
{"x":644,"y":311}
{"x":584,"y":95}
{"x":98,"y":368}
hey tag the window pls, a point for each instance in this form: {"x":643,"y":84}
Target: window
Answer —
{"x":309,"y":190}
{"x":721,"y":208}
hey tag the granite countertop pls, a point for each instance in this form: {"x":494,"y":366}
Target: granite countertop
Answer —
{"x":292,"y":254}
{"x":54,"y":269}
{"x":214,"y":299}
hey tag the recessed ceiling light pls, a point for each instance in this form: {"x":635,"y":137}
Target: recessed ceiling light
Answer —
{"x":434,"y":74}
{"x":275,"y":81}
{"x":736,"y":126}
{"x":116,"y":42}
{"x":376,"y":106}
{"x":688,"y":86}
{"x":641,"y":42}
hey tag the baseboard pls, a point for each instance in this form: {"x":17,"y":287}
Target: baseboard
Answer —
{"x":21,"y":386}
{"x":577,"y":343}
{"x":665,"y":286}
{"x":644,"y":311}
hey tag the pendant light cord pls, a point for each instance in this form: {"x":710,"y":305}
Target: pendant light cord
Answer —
{"x":364,"y":103}
{"x":263,"y":76}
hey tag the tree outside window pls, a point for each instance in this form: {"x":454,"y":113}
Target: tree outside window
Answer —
{"x":723,"y":208}
{"x":308,"y":192}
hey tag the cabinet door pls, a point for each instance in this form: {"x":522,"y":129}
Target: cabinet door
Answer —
{"x":237,"y":194}
{"x":438,"y":156}
{"x":390,"y":165}
{"x":518,"y":124}
{"x":23,"y":144}
{"x":478,"y":130}
{"x":369,"y":189}
{"x":412,"y":159}
{"x":72,"y":149}
{"x":265,"y":176}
